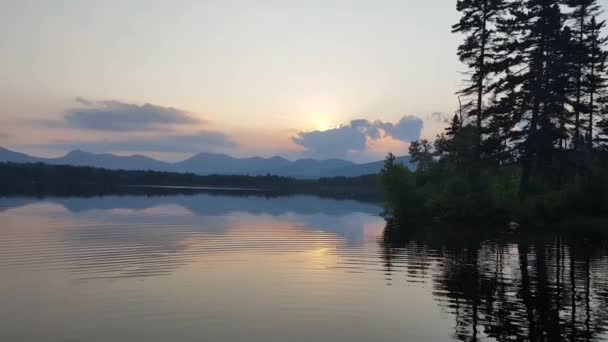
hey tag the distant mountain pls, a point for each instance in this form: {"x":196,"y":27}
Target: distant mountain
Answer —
{"x":311,"y":168}
{"x":80,"y":158}
{"x":15,"y":157}
{"x":367,"y":169}
{"x":210,"y":163}
{"x":110,"y":161}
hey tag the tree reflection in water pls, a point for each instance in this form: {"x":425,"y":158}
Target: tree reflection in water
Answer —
{"x":507,"y":286}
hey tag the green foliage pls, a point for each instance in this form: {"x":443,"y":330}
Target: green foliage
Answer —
{"x":530,"y":142}
{"x":399,"y":183}
{"x":42,"y":179}
{"x":442,"y":193}
{"x":586,"y":197}
{"x":503,"y":189}
{"x":421,"y":153}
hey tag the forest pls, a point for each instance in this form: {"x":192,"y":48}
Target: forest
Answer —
{"x":529,"y":140}
{"x":39,"y":179}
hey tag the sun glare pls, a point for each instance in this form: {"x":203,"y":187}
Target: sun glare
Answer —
{"x":323,"y":125}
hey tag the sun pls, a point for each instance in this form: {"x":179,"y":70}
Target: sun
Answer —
{"x":322,"y":124}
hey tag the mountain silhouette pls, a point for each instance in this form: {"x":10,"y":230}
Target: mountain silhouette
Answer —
{"x":366,"y":169}
{"x":16,"y":157}
{"x":211,"y":163}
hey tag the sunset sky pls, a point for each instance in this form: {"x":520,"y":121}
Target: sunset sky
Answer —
{"x":348,"y":79}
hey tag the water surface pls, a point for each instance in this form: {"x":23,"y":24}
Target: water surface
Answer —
{"x":248,"y":268}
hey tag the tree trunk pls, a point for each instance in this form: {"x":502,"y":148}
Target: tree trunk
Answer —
{"x":530,"y":145}
{"x":531,"y":141}
{"x":579,"y":76}
{"x":591,"y":94}
{"x":480,"y":89}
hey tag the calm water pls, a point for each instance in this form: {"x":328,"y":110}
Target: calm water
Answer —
{"x":222,"y":268}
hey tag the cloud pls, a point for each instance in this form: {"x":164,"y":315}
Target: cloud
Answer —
{"x":407,"y":129}
{"x":122,"y":116}
{"x":352,"y":137}
{"x":174,"y":143}
{"x":334,"y":142}
{"x":84,"y":101}
{"x":439,"y":117}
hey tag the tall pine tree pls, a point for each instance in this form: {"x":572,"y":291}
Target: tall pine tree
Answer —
{"x":478,"y":25}
{"x":595,"y":77}
{"x":534,"y":39}
{"x":581,"y":14}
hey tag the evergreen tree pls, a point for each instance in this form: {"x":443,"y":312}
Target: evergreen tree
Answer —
{"x":455,"y":126}
{"x":539,"y":46}
{"x":603,"y":133}
{"x":595,"y":80}
{"x":536,"y":96}
{"x":582,"y":12}
{"x":565,"y":85}
{"x":478,"y":24}
{"x":422,"y":154}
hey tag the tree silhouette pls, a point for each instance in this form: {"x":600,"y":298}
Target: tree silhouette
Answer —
{"x":477,"y":23}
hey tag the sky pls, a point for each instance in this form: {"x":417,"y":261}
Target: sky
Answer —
{"x":323,"y":79}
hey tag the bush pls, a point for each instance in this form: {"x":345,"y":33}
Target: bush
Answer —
{"x":441,"y":192}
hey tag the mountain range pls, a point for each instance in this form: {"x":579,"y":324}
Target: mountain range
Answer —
{"x":210,"y":163}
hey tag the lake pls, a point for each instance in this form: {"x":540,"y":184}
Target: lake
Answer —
{"x":213,"y":267}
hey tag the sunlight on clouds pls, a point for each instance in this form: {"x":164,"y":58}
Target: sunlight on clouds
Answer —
{"x":379,"y":148}
{"x":323,"y":124}
{"x":355,"y":61}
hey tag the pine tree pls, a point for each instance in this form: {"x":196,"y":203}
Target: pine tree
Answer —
{"x":603,"y":133}
{"x":496,"y":150}
{"x":478,"y":24}
{"x":455,"y":126}
{"x":422,"y":154}
{"x":595,"y":78}
{"x":559,"y":85}
{"x":534,"y":38}
{"x":582,"y":12}
{"x":537,"y":87}
{"x":564,"y":85}
{"x":548,"y":74}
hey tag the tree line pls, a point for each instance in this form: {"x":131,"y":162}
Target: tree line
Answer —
{"x":537,"y":82}
{"x":41,"y":179}
{"x":534,"y":99}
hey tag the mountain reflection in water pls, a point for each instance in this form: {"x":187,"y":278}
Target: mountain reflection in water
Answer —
{"x":298,"y":268}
